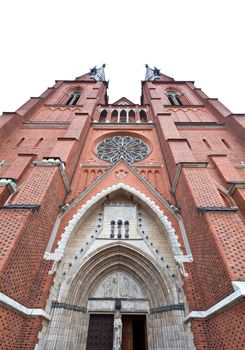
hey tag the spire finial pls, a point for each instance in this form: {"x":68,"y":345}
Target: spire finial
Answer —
{"x":151,"y":73}
{"x":98,"y":73}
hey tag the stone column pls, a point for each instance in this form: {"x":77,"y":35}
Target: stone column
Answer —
{"x":137,"y":115}
{"x":127,"y":113}
{"x":108,"y":117}
{"x":118,"y":116}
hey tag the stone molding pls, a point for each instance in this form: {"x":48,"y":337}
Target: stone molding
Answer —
{"x":58,"y":305}
{"x":179,"y":167}
{"x":16,"y":306}
{"x":167,"y":308}
{"x":239,"y":293}
{"x":180,"y":257}
{"x":59,"y":252}
{"x":22,"y":206}
{"x":50,"y":162}
{"x":10,"y":183}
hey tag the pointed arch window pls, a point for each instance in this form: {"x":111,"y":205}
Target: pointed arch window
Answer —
{"x":143,"y":116}
{"x":131,"y":116}
{"x":73,"y":98}
{"x":123,"y":116}
{"x":174,"y":98}
{"x":103,"y":115}
{"x":114,"y":116}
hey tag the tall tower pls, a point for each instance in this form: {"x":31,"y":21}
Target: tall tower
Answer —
{"x":122,"y":225}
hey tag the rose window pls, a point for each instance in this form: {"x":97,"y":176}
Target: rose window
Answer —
{"x":128,"y":148}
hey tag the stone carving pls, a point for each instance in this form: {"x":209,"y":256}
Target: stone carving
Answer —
{"x":117,"y":339}
{"x":91,"y":161}
{"x":118,"y":285}
{"x":121,"y":174}
{"x":109,"y":286}
{"x":128,"y":289}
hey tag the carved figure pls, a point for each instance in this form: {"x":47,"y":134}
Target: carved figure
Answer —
{"x":128,"y":289}
{"x":117,"y":341}
{"x":108,"y":286}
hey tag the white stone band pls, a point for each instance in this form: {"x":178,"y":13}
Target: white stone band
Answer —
{"x":239,"y":293}
{"x":13,"y":304}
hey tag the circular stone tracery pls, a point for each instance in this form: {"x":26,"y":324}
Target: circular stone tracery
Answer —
{"x":128,"y":148}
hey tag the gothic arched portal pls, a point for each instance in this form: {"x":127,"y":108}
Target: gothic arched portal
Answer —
{"x":118,"y":262}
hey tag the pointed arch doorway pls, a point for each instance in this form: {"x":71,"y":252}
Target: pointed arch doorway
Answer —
{"x":121,"y":294}
{"x":109,"y":257}
{"x":101,"y":331}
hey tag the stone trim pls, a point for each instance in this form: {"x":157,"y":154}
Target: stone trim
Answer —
{"x":234,"y":185}
{"x":181,"y":165}
{"x":11,"y":183}
{"x":122,"y":299}
{"x":173,"y":238}
{"x":216,"y":209}
{"x":55,"y":162}
{"x":198,"y":125}
{"x":239,"y":293}
{"x":180,"y":257}
{"x":94,"y":166}
{"x":32,"y":207}
{"x":167,"y":308}
{"x":62,"y":105}
{"x":20,"y":308}
{"x":46,"y":125}
{"x":57,"y":305}
{"x":183,"y":106}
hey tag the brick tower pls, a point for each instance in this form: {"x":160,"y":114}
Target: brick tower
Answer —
{"x":122,"y":225}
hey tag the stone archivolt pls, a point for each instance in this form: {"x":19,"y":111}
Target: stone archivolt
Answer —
{"x":115,"y":269}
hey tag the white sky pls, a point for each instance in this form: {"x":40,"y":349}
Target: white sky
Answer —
{"x":201,"y":40}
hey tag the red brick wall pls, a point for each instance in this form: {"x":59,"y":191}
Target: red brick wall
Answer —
{"x":215,"y":238}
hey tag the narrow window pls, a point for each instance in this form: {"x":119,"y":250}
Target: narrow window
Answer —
{"x":174,"y":98}
{"x":131,"y":116}
{"x":179,"y":100}
{"x":143,"y":116}
{"x":171,"y":100}
{"x":123,"y":116}
{"x":226,"y":143}
{"x":20,"y":142}
{"x":103,"y":115}
{"x":114,"y":116}
{"x":38,"y":142}
{"x":73,"y":98}
{"x":206,"y":143}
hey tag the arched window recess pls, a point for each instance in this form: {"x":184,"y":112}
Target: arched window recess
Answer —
{"x":175,"y":98}
{"x":73,"y":98}
{"x":143,"y":116}
{"x":103,"y":116}
{"x":123,"y":117}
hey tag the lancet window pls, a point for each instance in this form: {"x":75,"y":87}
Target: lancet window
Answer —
{"x":143,"y":116}
{"x":174,"y":98}
{"x":73,"y":98}
{"x":103,"y":115}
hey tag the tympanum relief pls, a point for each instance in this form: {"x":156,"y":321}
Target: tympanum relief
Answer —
{"x":118,"y":285}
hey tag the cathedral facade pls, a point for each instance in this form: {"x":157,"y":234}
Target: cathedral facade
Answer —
{"x":122,"y":225}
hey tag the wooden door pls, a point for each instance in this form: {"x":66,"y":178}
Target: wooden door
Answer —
{"x":134,"y":335}
{"x":127,"y":333}
{"x":100,"y":332}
